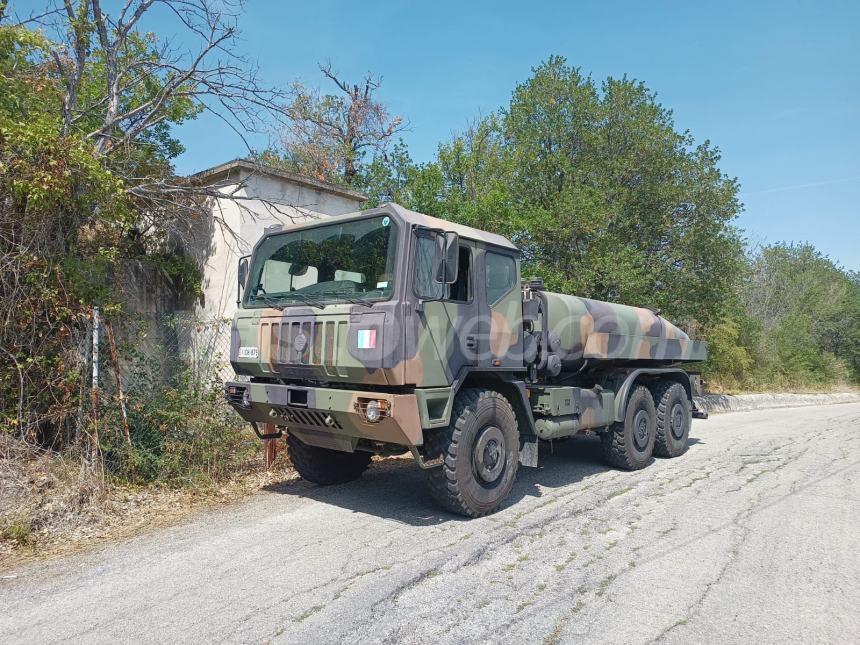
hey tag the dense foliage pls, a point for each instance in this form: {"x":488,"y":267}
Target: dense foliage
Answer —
{"x":603,"y":195}
{"x":86,"y":189}
{"x":801,"y":315}
{"x":60,"y":215}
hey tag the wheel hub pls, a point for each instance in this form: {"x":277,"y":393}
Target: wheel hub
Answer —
{"x":640,"y":429}
{"x":489,"y":454}
{"x":677,"y":421}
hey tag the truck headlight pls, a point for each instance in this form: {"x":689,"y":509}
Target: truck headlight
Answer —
{"x":373,"y":412}
{"x":246,"y":398}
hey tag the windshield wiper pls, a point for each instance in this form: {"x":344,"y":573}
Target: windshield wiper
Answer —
{"x":269,"y":300}
{"x":353,"y":299}
{"x":305,"y":298}
{"x":273,"y":300}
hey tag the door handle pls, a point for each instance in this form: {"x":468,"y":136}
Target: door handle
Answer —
{"x":471,"y":342}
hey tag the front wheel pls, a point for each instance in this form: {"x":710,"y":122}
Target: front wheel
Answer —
{"x":480,"y":449}
{"x":324,"y":466}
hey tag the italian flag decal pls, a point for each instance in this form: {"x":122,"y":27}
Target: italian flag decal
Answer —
{"x":366,"y":339}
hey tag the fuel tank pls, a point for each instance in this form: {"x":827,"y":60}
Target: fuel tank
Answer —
{"x":581,"y":329}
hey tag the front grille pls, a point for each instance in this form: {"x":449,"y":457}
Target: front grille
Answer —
{"x":312,"y":418}
{"x":321,"y":340}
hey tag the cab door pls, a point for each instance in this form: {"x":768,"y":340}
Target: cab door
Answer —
{"x":446,"y":342}
{"x":502,"y":309}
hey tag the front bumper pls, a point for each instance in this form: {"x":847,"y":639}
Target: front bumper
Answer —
{"x":328,"y":417}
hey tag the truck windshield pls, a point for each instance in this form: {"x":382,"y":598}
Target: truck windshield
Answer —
{"x":348,"y":262}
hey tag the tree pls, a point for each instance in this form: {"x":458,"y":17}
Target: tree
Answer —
{"x":809,"y":308}
{"x":343,"y":137}
{"x":124,"y":90}
{"x":88,"y":103}
{"x":603,"y":195}
{"x":119,"y":84}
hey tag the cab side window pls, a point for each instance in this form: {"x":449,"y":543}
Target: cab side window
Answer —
{"x":423,"y":283}
{"x":461,"y":290}
{"x":500,"y":275}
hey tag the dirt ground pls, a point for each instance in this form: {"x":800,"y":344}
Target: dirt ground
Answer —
{"x":49,"y":507}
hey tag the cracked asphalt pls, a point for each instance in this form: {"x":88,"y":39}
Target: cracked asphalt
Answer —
{"x":753,"y":535}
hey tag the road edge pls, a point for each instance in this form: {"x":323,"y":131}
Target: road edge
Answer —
{"x":718,"y":403}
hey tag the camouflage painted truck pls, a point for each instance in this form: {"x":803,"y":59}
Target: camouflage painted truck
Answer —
{"x":388,"y":331}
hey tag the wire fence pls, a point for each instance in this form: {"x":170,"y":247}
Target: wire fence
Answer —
{"x":201,"y":345}
{"x":128,"y":376}
{"x":162,"y":349}
{"x":156,"y":410}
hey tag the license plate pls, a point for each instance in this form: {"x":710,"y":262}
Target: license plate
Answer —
{"x":249,"y":352}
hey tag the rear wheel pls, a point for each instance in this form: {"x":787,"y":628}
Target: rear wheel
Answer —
{"x":481,"y":454}
{"x":674,"y":417}
{"x":324,"y":466}
{"x":629,"y":444}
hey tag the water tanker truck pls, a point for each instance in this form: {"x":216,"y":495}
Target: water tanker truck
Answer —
{"x":388,"y":331}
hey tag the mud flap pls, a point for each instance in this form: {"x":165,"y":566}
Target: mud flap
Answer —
{"x":529,"y":450}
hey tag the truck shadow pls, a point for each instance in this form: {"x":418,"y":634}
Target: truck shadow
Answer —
{"x":395,"y":488}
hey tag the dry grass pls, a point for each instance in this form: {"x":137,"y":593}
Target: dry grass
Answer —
{"x":733,"y":386}
{"x":52,"y":506}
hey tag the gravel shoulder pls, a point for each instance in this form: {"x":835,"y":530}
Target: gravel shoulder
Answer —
{"x":753,"y":534}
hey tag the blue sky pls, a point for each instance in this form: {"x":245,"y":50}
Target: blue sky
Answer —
{"x":776,"y":85}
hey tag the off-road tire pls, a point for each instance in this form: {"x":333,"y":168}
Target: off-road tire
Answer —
{"x":671,"y":440}
{"x":324,"y":466}
{"x":457,"y":484}
{"x":621,"y":448}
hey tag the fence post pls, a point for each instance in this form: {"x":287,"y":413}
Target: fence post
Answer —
{"x":94,"y":392}
{"x":270,"y":446}
{"x":114,"y":357}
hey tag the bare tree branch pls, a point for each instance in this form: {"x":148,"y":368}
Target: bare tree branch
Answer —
{"x":327,"y":135}
{"x":142,"y":77}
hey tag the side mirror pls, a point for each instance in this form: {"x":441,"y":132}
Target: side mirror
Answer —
{"x":446,"y":259}
{"x":243,"y":277}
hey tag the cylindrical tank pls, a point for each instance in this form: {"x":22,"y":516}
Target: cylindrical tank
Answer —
{"x":594,"y":330}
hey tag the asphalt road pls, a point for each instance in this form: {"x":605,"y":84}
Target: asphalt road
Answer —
{"x":752,"y":536}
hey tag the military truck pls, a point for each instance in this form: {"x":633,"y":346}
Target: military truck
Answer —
{"x":388,"y":331}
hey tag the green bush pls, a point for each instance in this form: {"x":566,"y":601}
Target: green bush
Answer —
{"x":729,"y":362}
{"x":181,"y":429}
